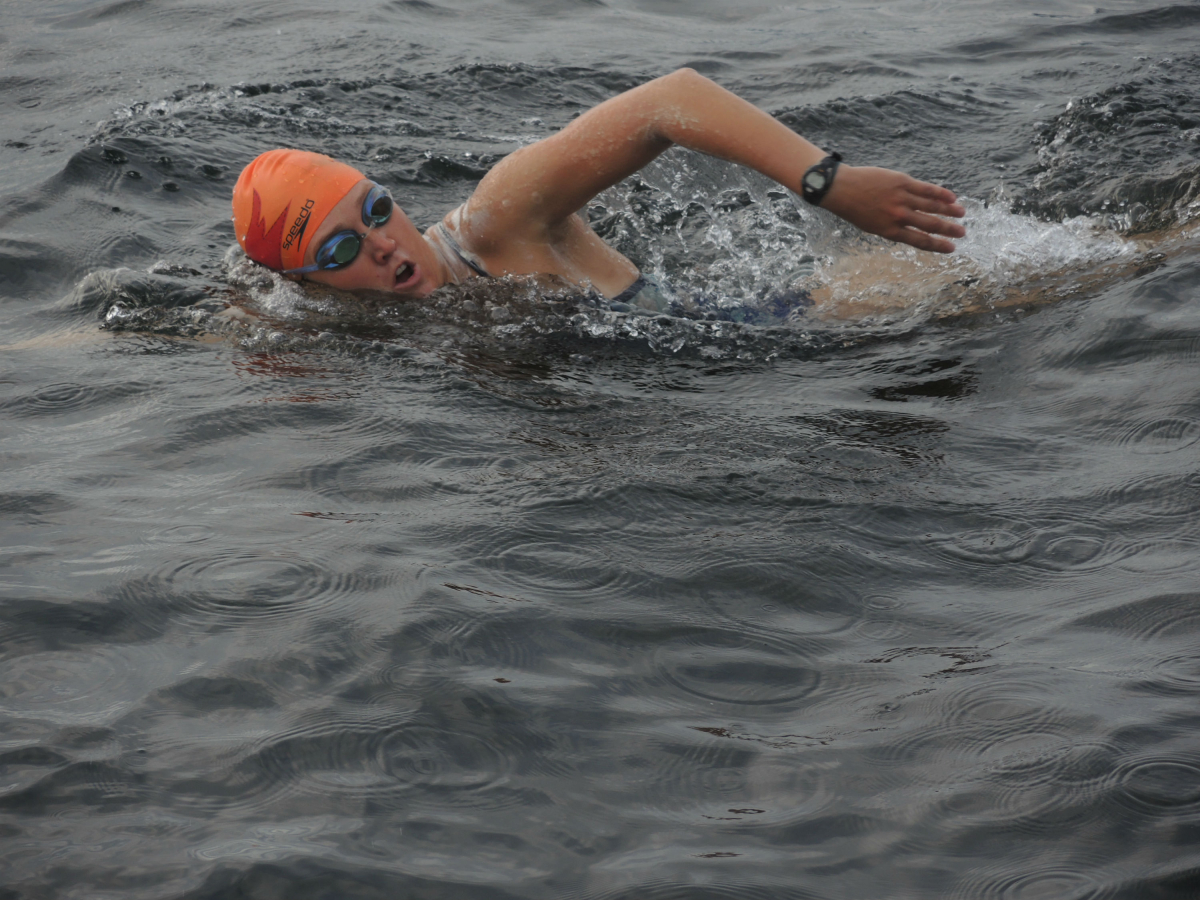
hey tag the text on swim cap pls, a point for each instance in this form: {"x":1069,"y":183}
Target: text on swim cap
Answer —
{"x":301,"y":223}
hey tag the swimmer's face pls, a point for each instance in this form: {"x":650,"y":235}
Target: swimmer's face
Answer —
{"x":393,"y":256}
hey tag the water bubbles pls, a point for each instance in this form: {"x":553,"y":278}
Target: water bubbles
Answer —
{"x":1006,"y":246}
{"x":117,"y":314}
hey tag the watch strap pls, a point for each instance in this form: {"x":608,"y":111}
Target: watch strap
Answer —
{"x":818,"y":179}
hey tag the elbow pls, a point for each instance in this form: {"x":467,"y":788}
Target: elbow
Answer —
{"x":686,"y":76}
{"x":683,"y":82}
{"x":682,"y":86}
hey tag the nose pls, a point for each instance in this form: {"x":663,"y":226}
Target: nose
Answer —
{"x":378,"y":245}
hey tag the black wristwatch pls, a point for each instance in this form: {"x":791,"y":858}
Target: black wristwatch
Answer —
{"x":819,"y":179}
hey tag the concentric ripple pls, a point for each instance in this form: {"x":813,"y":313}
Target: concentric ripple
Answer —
{"x":62,"y":397}
{"x":718,"y":779}
{"x":240,"y":584}
{"x":183,"y":534}
{"x":745,"y":668}
{"x":1061,"y":881}
{"x":1168,"y":435}
{"x":1036,"y":784}
{"x":1180,"y":673}
{"x":70,"y":686}
{"x":1160,"y":784}
{"x":457,"y":766}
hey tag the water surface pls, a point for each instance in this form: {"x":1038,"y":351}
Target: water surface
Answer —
{"x":511,"y":595}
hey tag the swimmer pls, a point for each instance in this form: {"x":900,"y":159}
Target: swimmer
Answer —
{"x":308,"y":216}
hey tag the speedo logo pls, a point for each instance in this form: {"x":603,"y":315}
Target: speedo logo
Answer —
{"x":301,"y":223}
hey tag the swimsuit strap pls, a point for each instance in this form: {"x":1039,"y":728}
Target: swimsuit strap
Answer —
{"x":468,"y":259}
{"x":627,"y":295}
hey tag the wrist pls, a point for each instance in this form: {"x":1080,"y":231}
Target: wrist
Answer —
{"x":818,"y":179}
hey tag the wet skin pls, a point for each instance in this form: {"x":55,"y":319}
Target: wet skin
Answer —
{"x":394,"y":256}
{"x":523,"y":216}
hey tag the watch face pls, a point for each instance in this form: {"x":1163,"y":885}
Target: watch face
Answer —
{"x":815,"y":180}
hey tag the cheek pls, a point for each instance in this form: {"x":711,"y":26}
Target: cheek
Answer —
{"x":360,"y":275}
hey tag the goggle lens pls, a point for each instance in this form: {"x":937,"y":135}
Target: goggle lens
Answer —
{"x":377,"y":207}
{"x":345,"y":250}
{"x":342,"y":248}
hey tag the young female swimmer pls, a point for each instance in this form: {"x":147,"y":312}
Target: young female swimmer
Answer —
{"x":307,"y":215}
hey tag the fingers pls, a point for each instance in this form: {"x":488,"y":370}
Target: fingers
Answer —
{"x":922,"y":240}
{"x":929,"y":203}
{"x":931,"y":198}
{"x":934,"y":224}
{"x":937,"y":200}
{"x":897,"y":206}
{"x":932,"y":192}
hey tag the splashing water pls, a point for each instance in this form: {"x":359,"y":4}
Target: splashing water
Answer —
{"x":1006,"y":259}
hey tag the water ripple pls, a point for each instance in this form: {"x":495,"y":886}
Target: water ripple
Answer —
{"x":1166,"y":435}
{"x":1179,"y":674}
{"x":331,"y":759}
{"x":740,"y":890}
{"x":1165,"y":615}
{"x":1054,"y":881}
{"x":724,"y":665}
{"x":60,"y":398}
{"x":1159,"y":785}
{"x":459,"y":766}
{"x":70,"y":686}
{"x":242,"y":585}
{"x":182,"y":534}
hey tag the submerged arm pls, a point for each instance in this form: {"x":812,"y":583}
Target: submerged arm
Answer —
{"x":532,"y":192}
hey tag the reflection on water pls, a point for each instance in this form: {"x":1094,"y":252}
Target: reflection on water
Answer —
{"x":513,"y":594}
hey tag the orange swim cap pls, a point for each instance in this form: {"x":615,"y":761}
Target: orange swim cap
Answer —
{"x":281,"y":199}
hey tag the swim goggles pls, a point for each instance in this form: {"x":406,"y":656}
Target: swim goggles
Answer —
{"x":341,"y":249}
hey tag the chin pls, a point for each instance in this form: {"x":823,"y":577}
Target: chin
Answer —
{"x":423,"y":288}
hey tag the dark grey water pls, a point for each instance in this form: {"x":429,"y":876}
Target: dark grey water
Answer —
{"x":504,"y":595}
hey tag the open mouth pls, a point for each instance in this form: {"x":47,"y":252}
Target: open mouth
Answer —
{"x":405,"y":274}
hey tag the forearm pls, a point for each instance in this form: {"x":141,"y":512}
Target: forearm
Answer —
{"x":531,"y":193}
{"x":687,"y":109}
{"x":546,"y":182}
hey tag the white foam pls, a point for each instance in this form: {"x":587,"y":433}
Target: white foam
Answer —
{"x":1009,"y":246}
{"x":272,"y":292}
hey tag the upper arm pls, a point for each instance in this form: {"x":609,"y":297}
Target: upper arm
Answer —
{"x":531,"y":192}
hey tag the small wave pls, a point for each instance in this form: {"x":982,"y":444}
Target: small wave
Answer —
{"x":1130,"y":152}
{"x":1165,"y":615}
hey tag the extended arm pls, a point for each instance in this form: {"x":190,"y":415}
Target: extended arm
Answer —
{"x":533,"y":191}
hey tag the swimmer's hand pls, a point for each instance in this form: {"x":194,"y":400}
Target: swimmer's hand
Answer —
{"x":896,"y":206}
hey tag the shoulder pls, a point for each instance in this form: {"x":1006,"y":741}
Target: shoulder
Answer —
{"x":481,"y":225}
{"x":455,"y":243}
